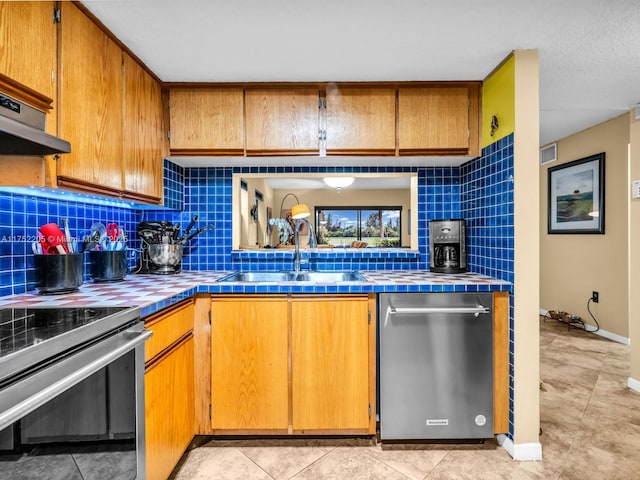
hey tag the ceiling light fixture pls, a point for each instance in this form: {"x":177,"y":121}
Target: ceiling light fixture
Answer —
{"x":339,"y":182}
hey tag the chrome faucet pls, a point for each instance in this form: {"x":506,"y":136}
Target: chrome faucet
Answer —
{"x":312,"y":241}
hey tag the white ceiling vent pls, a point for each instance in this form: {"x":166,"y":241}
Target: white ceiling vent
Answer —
{"x":549,"y":153}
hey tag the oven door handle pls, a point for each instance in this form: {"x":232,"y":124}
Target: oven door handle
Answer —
{"x":29,"y":393}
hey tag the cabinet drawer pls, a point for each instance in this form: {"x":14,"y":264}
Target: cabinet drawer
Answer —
{"x":167,"y":327}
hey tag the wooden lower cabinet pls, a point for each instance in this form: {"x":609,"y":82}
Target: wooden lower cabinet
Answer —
{"x":329,"y":360}
{"x":249,"y":361}
{"x":169,"y":394}
{"x":296,"y":364}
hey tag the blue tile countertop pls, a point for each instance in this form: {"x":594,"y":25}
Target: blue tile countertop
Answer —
{"x":154,"y":292}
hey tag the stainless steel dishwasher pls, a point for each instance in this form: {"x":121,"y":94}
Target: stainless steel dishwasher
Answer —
{"x":436,"y":366}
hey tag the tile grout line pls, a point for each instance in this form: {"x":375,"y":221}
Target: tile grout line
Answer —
{"x":317,"y":459}
{"x":255,"y":463}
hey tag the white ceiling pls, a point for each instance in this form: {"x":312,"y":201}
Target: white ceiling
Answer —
{"x":589,"y":50}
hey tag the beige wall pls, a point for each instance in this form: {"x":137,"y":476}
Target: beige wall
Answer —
{"x":245,"y":230}
{"x":572,"y":266}
{"x":349,"y":197}
{"x":526,"y":401}
{"x":634,"y":254}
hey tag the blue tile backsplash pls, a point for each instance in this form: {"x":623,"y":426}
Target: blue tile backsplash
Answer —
{"x":481,"y":191}
{"x":486,"y":198}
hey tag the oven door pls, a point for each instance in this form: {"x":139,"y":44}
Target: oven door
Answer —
{"x":70,"y":398}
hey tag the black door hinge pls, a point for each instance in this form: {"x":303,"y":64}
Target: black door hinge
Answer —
{"x":209,"y":317}
{"x":56,"y":15}
{"x":210,"y":411}
{"x":369,"y":317}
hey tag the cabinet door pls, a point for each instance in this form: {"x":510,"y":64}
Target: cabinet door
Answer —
{"x":433,"y":120}
{"x":330,"y":363}
{"x":169,"y":409}
{"x":249,"y":361}
{"x":28,"y":39}
{"x":281,"y":121}
{"x":142,"y":133}
{"x":361,"y":120}
{"x":90,"y":104}
{"x":207,"y":121}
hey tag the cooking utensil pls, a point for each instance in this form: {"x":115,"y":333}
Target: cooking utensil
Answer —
{"x":54,"y":238}
{"x":100,"y":228}
{"x":91,"y":242}
{"x":176,"y":232}
{"x":42,"y":243}
{"x":67,"y":234}
{"x":184,"y":240}
{"x":113,"y":231}
{"x":191,"y":224}
{"x":121,"y":241}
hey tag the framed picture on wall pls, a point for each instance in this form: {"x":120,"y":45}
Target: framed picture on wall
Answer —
{"x":576,"y":196}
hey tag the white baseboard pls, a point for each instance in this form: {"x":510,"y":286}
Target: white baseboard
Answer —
{"x":522,"y":452}
{"x":614,"y":336}
{"x":633,"y":384}
{"x":603,"y":333}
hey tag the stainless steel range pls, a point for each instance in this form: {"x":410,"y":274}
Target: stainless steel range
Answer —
{"x":70,"y":376}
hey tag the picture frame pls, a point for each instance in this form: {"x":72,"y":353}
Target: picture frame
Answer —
{"x":576,"y":196}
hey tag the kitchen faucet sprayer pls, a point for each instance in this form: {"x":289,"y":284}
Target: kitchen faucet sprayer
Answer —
{"x":312,"y":242}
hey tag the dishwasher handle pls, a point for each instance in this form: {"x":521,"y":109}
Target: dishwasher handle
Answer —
{"x":477,"y":310}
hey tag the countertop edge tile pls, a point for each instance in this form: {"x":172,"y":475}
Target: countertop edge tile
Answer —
{"x":153,"y":293}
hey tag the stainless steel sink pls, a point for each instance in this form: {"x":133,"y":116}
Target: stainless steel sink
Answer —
{"x":329,"y":277}
{"x":292,"y":276}
{"x":259,"y":277}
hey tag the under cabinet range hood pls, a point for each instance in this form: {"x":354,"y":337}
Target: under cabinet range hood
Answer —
{"x":22,"y":130}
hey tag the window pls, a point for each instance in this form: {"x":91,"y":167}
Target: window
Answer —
{"x":340,"y":226}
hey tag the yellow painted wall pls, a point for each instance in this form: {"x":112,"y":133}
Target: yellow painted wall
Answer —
{"x":572,"y":266}
{"x":498,"y":93}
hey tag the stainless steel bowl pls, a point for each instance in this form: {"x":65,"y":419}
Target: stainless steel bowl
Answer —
{"x":165,"y":256}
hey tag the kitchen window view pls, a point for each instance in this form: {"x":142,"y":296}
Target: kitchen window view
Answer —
{"x":359,"y":226}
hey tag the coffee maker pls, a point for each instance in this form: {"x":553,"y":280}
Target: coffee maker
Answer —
{"x":447,"y":245}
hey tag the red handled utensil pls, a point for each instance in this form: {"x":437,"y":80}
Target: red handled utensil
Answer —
{"x":54,"y":238}
{"x":113,"y":231}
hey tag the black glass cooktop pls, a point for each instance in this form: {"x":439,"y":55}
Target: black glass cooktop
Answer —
{"x":22,"y":327}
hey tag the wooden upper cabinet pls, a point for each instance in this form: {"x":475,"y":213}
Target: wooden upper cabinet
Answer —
{"x":28,"y":39}
{"x":142,"y":133}
{"x":282,"y":121}
{"x":207,"y":121}
{"x":90,"y":104}
{"x":361,"y":120}
{"x":435,"y":120}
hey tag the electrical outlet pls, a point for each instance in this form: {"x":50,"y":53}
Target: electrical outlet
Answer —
{"x":595,"y":296}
